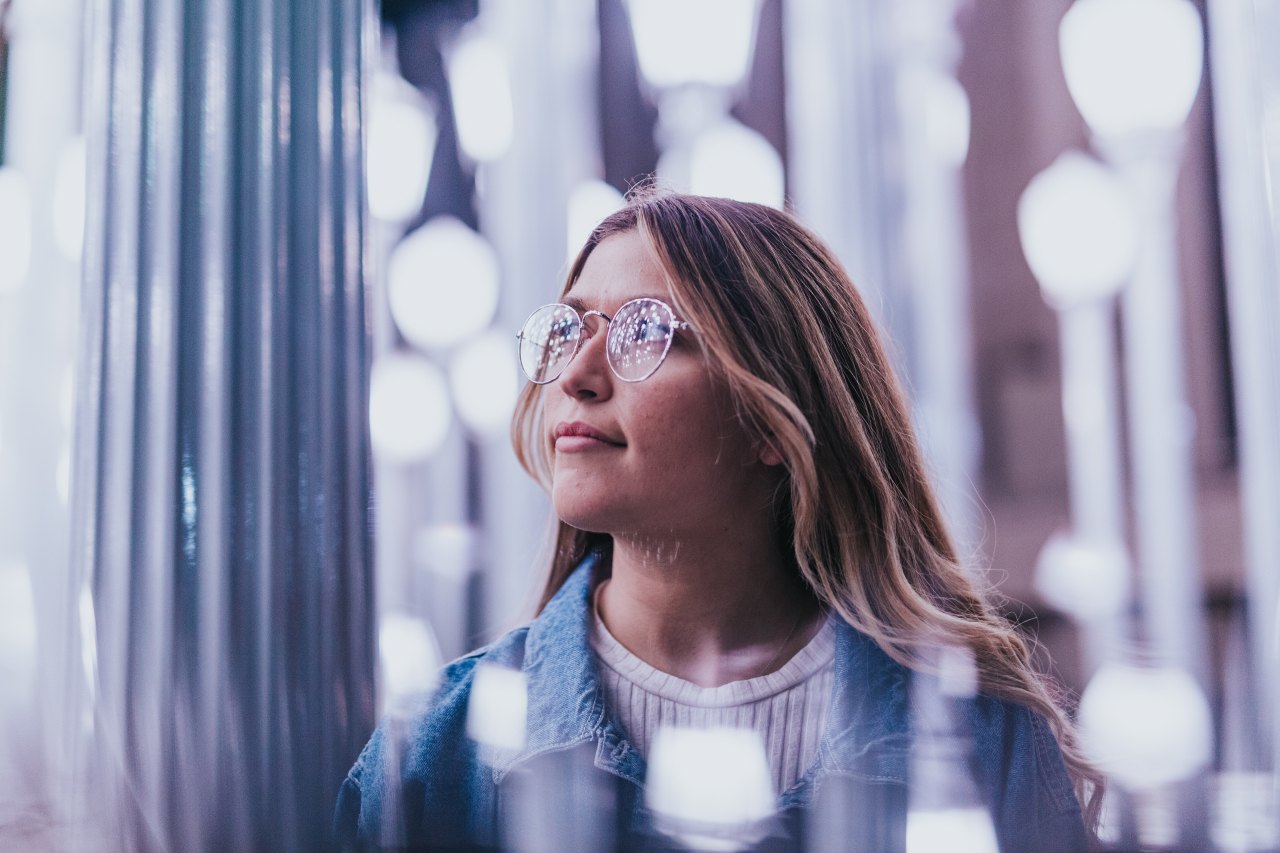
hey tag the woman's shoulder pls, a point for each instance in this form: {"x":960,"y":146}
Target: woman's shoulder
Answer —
{"x":425,"y":751}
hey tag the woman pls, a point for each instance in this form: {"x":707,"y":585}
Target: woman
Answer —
{"x":746,"y":535}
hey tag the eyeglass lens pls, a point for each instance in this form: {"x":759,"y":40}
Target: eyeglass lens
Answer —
{"x":638,"y":339}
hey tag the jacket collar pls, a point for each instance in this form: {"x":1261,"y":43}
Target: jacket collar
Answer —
{"x":867,"y":730}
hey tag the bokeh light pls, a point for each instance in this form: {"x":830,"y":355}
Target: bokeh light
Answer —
{"x":410,"y":660}
{"x":1085,"y":579}
{"x":480,"y":83}
{"x":1145,"y":726}
{"x":497,"y":708}
{"x":589,"y":202}
{"x":693,"y":41}
{"x":15,"y":228}
{"x":1132,"y":65}
{"x":731,"y":160}
{"x":1078,"y":230}
{"x":717,"y":777}
{"x":402,"y":141}
{"x":409,"y":411}
{"x":484,"y":380}
{"x":442,"y":283}
{"x":69,"y":198}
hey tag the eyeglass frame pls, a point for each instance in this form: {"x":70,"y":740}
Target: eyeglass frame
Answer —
{"x":677,"y":325}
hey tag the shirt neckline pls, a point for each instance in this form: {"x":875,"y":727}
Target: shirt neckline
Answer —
{"x":816,"y":655}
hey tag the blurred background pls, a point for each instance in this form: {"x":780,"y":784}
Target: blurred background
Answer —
{"x":260,"y":273}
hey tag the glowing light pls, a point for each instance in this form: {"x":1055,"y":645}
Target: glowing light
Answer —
{"x":1145,"y":726}
{"x":67,"y":396}
{"x":63,"y":475}
{"x":589,"y":202}
{"x":442,"y":283}
{"x":446,"y":549}
{"x":402,"y":142}
{"x":1085,"y":579}
{"x":966,"y":830}
{"x":1078,"y":230}
{"x":17,"y":626}
{"x":704,"y":783}
{"x":15,"y":228}
{"x":498,"y":707}
{"x":946,"y":115}
{"x":410,"y":659}
{"x":88,"y":641}
{"x":957,"y":672}
{"x":1243,"y":812}
{"x":69,"y":199}
{"x":408,"y":408}
{"x":693,"y":41}
{"x":480,"y":86}
{"x":484,"y":380}
{"x":1132,"y":65}
{"x":730,"y":160}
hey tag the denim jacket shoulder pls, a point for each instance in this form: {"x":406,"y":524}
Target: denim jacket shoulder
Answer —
{"x":435,"y":789}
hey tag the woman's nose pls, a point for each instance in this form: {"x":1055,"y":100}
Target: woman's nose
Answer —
{"x":587,"y":375}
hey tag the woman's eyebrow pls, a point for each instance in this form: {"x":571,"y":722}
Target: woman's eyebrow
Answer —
{"x":575,"y":303}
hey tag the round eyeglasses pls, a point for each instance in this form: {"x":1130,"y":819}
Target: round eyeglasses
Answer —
{"x":638,"y":339}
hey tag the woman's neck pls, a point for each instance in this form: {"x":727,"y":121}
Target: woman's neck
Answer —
{"x":709,"y":612}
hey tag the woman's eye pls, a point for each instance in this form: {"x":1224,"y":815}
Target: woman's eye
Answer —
{"x":647,"y":330}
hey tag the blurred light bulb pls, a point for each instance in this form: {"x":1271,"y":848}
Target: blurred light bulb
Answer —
{"x":442,"y":283}
{"x":958,"y":830}
{"x":1078,"y":230}
{"x":446,"y":549}
{"x":63,"y":476}
{"x":17,"y":631}
{"x":709,"y":784}
{"x":693,"y":41}
{"x":410,"y":659}
{"x":88,"y":639}
{"x":957,"y":672}
{"x":1243,"y":812}
{"x":1145,"y":726}
{"x":1087,"y":580}
{"x":730,"y":160}
{"x":402,"y":142}
{"x":69,"y":199}
{"x":1132,"y":65}
{"x":480,"y":86}
{"x":67,"y":396}
{"x":497,"y":710}
{"x":589,"y":203}
{"x":482,"y":375}
{"x":15,"y":228}
{"x":408,"y":408}
{"x":944,"y":109}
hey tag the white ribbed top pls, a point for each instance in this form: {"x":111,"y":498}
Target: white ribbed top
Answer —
{"x":787,"y":707}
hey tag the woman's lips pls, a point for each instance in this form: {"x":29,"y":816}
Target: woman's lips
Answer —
{"x":576,"y":436}
{"x":582,"y":443}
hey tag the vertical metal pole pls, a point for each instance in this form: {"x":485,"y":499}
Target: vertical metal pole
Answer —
{"x":552,"y":49}
{"x":1161,"y":425}
{"x":222,"y":450}
{"x":937,"y":277}
{"x":838,"y":72}
{"x":1251,"y":236}
{"x":846,"y":66}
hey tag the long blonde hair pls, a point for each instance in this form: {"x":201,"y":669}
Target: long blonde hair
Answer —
{"x":785,"y":329}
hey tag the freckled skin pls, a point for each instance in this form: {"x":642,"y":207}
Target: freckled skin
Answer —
{"x":701,"y":587}
{"x":688,"y":465}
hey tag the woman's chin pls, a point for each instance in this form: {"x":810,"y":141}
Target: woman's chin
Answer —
{"x":594,"y":514}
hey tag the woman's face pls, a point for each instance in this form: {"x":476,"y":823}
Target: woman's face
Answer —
{"x":676,"y":461}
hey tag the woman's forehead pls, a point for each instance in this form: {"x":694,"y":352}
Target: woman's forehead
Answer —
{"x":619,"y":269}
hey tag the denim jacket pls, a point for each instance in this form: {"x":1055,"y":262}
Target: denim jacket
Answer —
{"x":439,"y":792}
